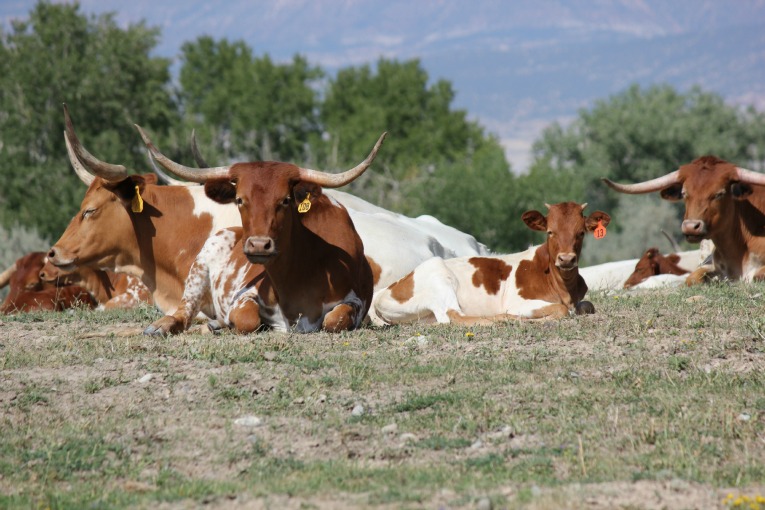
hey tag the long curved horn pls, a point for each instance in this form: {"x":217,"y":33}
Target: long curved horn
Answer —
{"x":191,"y":174}
{"x":201,"y":163}
{"x":5,"y":276}
{"x":672,"y":241}
{"x":750,"y":177}
{"x":83,"y":174}
{"x":106,"y":171}
{"x":645,"y":187}
{"x":162,"y":175}
{"x":337,"y":180}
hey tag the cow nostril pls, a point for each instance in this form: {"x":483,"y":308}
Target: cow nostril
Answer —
{"x":52,"y":253}
{"x":267,"y":246}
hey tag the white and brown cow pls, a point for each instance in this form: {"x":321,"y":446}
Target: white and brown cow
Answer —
{"x":541,"y":282}
{"x":317,"y":276}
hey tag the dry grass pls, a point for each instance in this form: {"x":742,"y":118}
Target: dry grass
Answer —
{"x":657,"y":401}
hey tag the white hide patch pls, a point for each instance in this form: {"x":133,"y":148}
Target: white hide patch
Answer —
{"x":223,"y":215}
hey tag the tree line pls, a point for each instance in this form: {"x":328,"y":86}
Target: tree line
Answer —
{"x":245,"y":106}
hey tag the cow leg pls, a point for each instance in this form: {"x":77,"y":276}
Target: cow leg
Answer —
{"x":553,"y":311}
{"x":195,"y":292}
{"x":703,"y":274}
{"x":244,"y":317}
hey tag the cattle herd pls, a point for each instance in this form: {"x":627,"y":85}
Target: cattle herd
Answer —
{"x":272,"y":245}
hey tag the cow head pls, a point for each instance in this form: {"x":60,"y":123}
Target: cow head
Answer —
{"x":98,"y":231}
{"x":653,"y":263}
{"x":272,"y":197}
{"x":565,"y":226}
{"x":710,"y":188}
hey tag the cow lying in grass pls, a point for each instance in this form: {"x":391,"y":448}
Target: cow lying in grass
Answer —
{"x":541,"y":282}
{"x":316,"y":274}
{"x":28,"y":292}
{"x":653,"y":263}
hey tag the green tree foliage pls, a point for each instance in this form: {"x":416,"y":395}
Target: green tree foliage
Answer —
{"x":435,"y":161}
{"x":108,"y":79}
{"x":636,"y":135}
{"x":247,"y":107}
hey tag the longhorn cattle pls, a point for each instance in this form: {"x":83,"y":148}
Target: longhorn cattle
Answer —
{"x":27,"y":292}
{"x":317,"y":276}
{"x":723,"y":203}
{"x":541,"y":282}
{"x":653,"y":263}
{"x":160,"y":244}
{"x":129,"y":224}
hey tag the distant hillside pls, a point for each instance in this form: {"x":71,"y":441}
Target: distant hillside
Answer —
{"x":516,"y":66}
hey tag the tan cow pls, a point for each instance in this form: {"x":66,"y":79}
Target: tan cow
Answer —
{"x":129,"y":224}
{"x":724,"y":203}
{"x":541,"y":282}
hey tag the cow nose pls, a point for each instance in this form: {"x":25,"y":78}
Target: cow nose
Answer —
{"x":694,"y":228}
{"x":567,"y":260}
{"x":259,"y":246}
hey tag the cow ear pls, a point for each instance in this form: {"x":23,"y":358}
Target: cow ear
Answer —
{"x":673,"y":257}
{"x":303,"y":190}
{"x":673,"y":193}
{"x":740,"y":190}
{"x":535,"y":220}
{"x":221,"y":190}
{"x":126,"y":188}
{"x":591,"y":222}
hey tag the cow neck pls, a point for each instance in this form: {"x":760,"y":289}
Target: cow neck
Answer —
{"x":732,"y":241}
{"x":560,"y":286}
{"x":160,"y":239}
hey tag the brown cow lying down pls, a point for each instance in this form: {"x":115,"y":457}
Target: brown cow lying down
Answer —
{"x":297,"y":262}
{"x":111,"y":290}
{"x":29,"y":293}
{"x":541,"y":282}
{"x":653,"y":263}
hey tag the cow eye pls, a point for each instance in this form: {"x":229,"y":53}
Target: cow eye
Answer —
{"x":549,"y":233}
{"x":718,"y":195}
{"x":286,"y":201}
{"x":88,"y":212}
{"x":239,"y":201}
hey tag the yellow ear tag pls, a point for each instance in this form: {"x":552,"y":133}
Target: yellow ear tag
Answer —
{"x":305,"y":205}
{"x":600,"y":231}
{"x":137,"y":204}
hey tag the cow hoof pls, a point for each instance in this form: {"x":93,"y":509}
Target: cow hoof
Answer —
{"x":154,"y":331}
{"x":584,"y":308}
{"x":214,"y":327}
{"x":167,"y":325}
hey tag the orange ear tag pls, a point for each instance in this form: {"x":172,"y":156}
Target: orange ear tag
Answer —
{"x":137,"y":204}
{"x":305,"y":205}
{"x":600,"y":231}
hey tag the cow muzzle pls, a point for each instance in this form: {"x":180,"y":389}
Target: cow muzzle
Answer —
{"x":695,"y":230}
{"x":259,"y":250}
{"x":566,"y":261}
{"x":64,"y":263}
